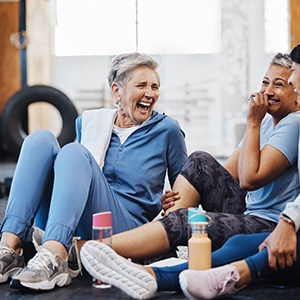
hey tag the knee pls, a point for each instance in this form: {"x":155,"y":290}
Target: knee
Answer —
{"x":199,"y":155}
{"x":180,"y":214}
{"x":176,"y":227}
{"x":39,"y":138}
{"x":236,"y":240}
{"x":72,"y":151}
{"x":201,"y":160}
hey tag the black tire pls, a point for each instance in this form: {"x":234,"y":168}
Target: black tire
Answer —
{"x":14,"y":114}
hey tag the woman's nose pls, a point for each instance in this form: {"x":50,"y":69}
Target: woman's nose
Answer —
{"x":269,"y":90}
{"x":149,"y":92}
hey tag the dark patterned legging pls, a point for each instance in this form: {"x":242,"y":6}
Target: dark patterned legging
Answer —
{"x":221,"y":197}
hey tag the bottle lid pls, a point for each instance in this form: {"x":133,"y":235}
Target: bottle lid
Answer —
{"x":102,"y":219}
{"x":196,"y":214}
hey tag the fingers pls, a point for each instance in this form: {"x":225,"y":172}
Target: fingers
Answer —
{"x":165,"y":207}
{"x":168,"y":200}
{"x":258,"y":98}
{"x":169,"y":197}
{"x":288,"y":260}
{"x":251,"y":97}
{"x":272,"y":262}
{"x":261,"y":247}
{"x":282,"y":260}
{"x":281,"y":247}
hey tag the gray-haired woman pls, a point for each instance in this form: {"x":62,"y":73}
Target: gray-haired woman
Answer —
{"x":119,"y":165}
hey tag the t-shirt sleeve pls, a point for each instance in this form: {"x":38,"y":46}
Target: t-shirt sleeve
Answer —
{"x":285,"y":138}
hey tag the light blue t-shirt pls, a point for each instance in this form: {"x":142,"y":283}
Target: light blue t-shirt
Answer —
{"x":269,"y":201}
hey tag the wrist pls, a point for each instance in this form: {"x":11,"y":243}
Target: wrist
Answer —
{"x":287,"y":220}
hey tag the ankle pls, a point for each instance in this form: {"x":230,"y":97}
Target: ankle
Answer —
{"x":150,"y":271}
{"x":56,"y":248}
{"x":12,"y":241}
{"x":244,"y":271}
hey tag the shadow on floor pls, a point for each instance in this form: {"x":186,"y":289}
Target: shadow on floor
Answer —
{"x":81,"y":288}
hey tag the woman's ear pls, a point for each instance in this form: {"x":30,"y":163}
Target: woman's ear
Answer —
{"x":116,"y":92}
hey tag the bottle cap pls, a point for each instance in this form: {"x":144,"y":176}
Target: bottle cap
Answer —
{"x":196,"y":214}
{"x":102,"y":219}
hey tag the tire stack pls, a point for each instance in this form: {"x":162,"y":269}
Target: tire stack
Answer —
{"x":14,"y":116}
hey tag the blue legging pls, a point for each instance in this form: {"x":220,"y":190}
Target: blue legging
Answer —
{"x":61,"y":188}
{"x":241,"y":246}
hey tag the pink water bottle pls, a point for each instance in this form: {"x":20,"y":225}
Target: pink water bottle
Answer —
{"x":102,"y":232}
{"x":102,"y":227}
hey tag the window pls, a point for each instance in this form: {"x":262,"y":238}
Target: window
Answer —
{"x":109,"y":27}
{"x":276,"y":26}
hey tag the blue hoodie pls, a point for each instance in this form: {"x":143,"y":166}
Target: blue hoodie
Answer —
{"x":136,"y":170}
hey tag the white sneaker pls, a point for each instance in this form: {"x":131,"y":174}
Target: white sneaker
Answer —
{"x":210,"y":283}
{"x":43,"y":272}
{"x":105,"y":264}
{"x":74,"y":263}
{"x":10,"y":262}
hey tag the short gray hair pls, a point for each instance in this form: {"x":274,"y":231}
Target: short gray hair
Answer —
{"x":123,"y":64}
{"x":282,"y":59}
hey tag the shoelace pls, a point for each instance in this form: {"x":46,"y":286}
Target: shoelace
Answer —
{"x":41,"y":259}
{"x":5,"y":250}
{"x":227,"y":280}
{"x":74,"y":244}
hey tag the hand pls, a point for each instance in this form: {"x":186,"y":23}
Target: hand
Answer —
{"x":281,"y":245}
{"x":258,"y":106}
{"x":168,"y":200}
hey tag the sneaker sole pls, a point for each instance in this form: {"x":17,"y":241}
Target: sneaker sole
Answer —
{"x":60,"y":280}
{"x":105,"y":264}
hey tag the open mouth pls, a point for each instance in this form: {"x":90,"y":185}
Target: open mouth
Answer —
{"x":144,"y":106}
{"x":272,"y":101}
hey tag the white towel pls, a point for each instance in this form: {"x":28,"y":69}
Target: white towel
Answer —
{"x":97,"y":126}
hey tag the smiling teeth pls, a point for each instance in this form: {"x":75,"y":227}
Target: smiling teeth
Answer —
{"x":272,"y":101}
{"x":144,"y":103}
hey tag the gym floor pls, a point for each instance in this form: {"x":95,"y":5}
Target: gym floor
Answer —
{"x":81,"y":287}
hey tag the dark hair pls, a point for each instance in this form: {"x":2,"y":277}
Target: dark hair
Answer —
{"x":295,"y":54}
